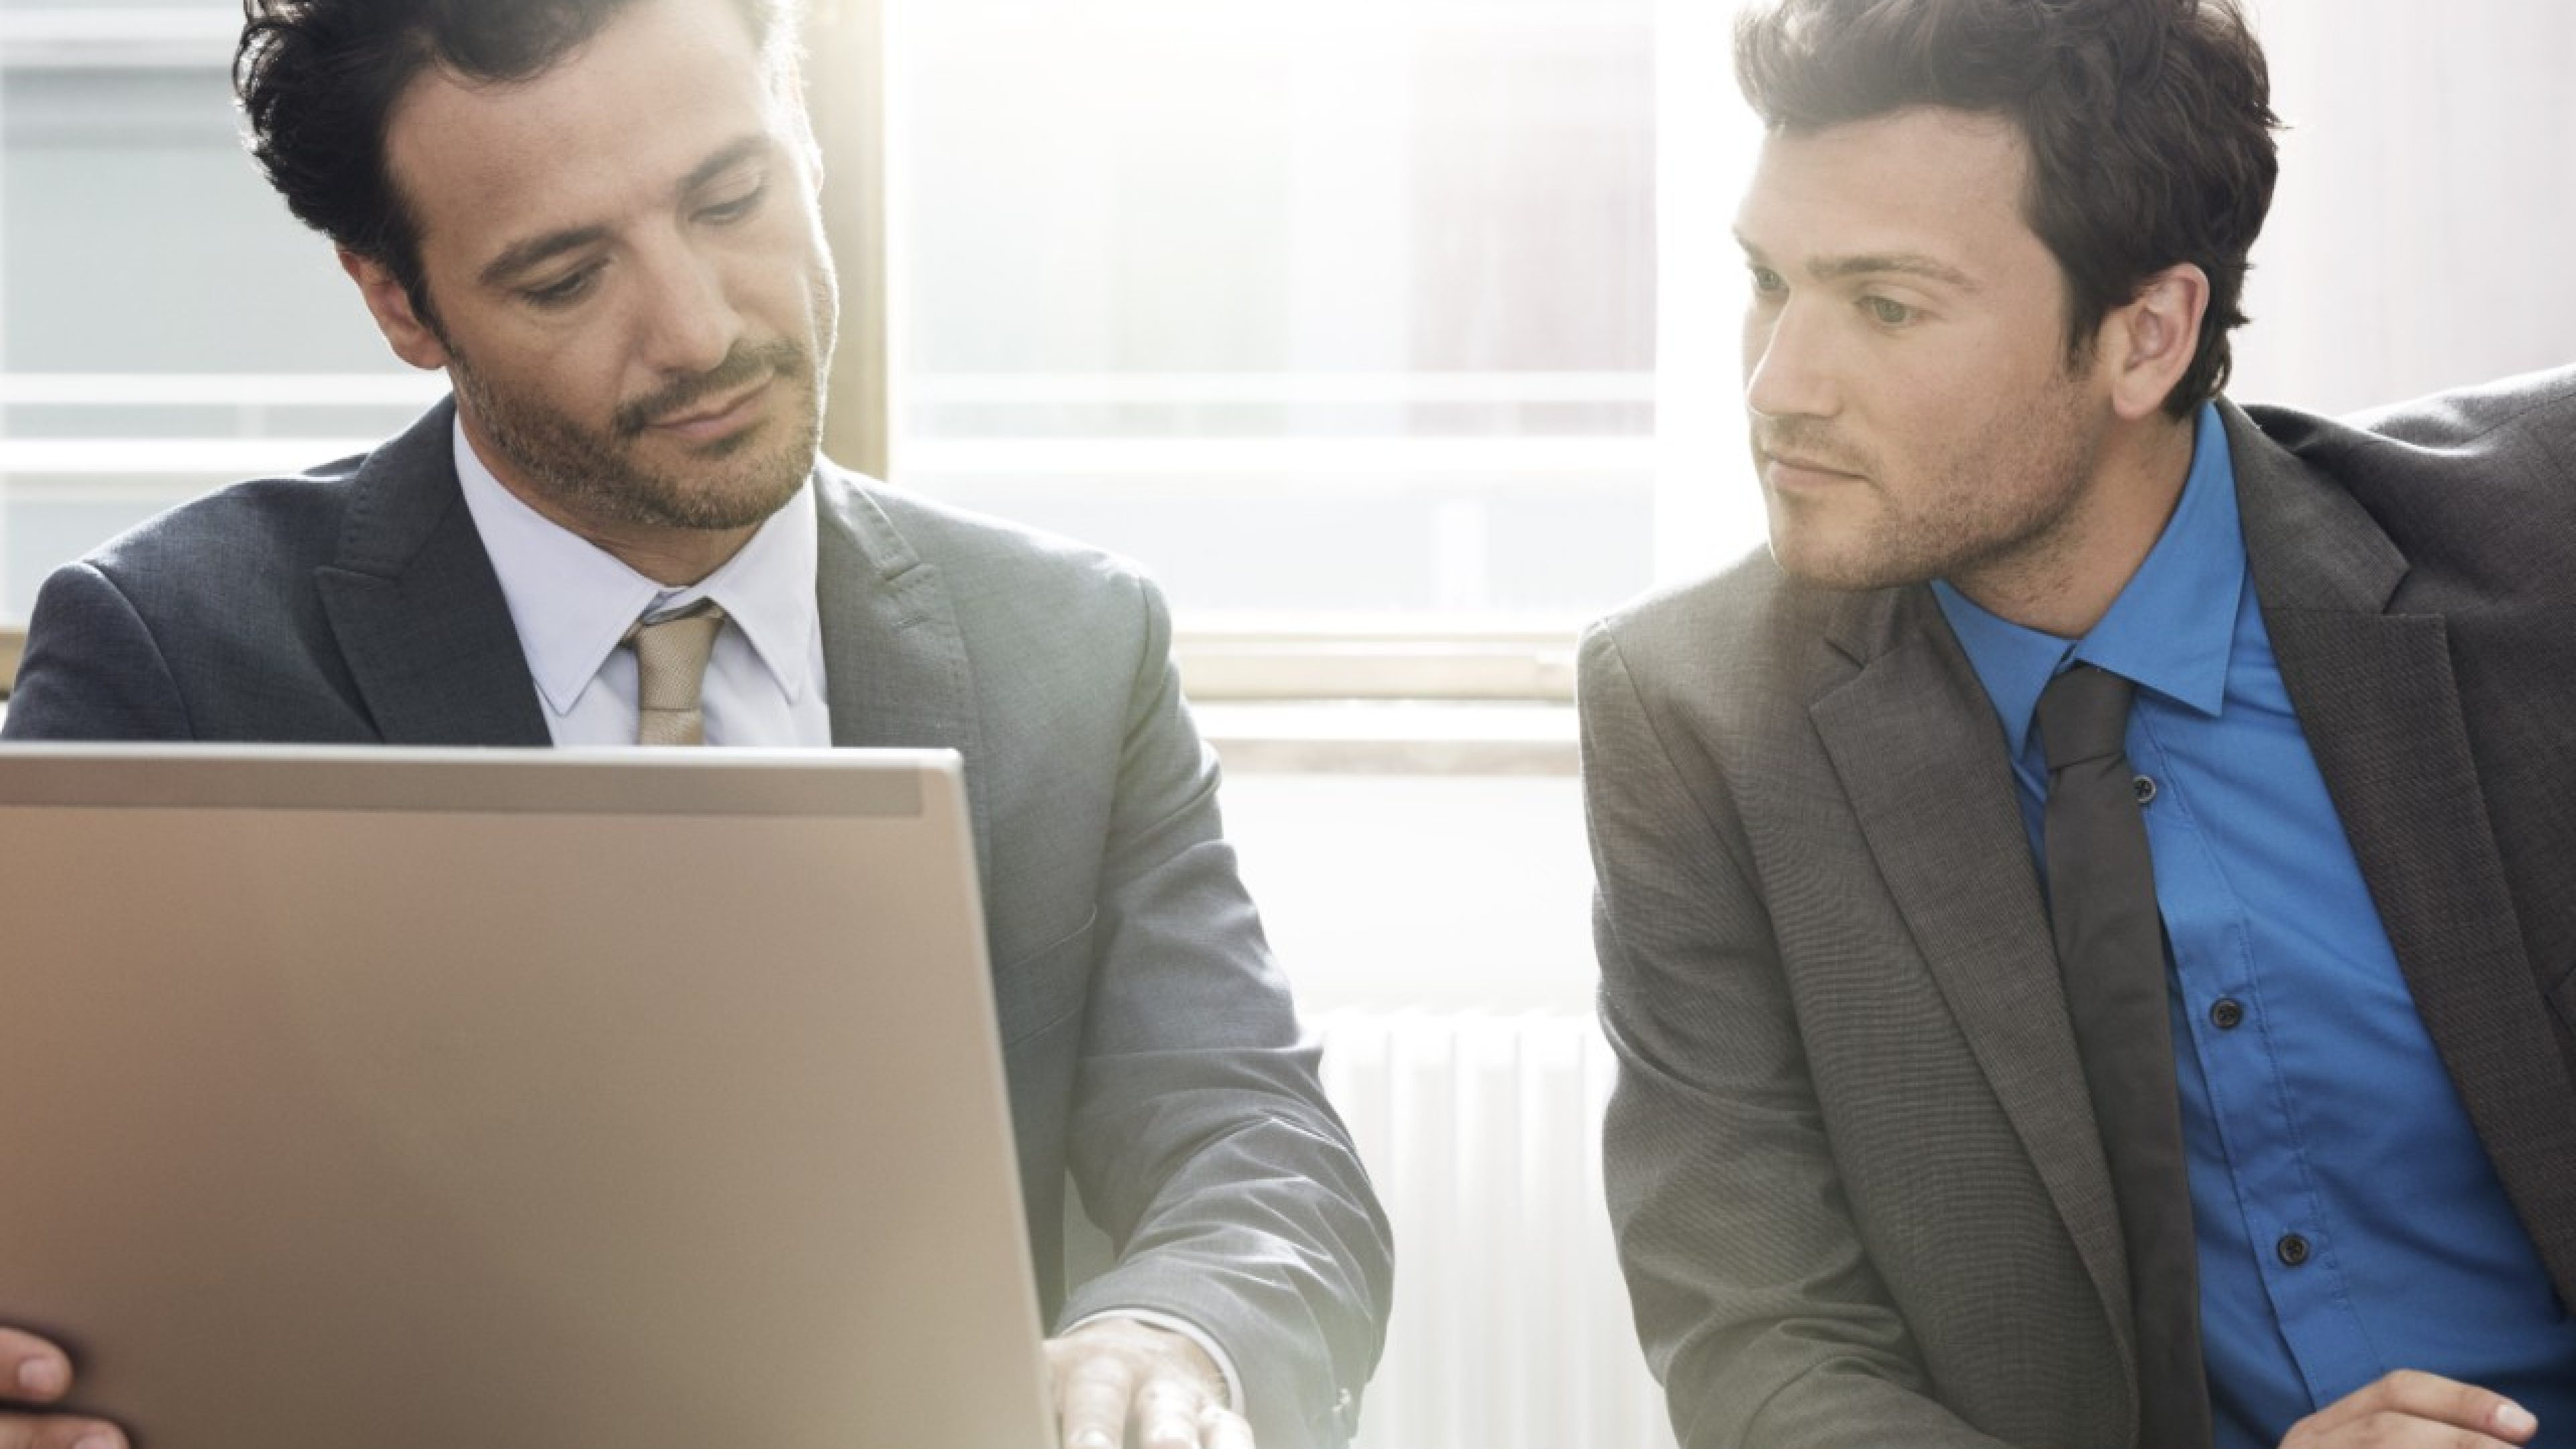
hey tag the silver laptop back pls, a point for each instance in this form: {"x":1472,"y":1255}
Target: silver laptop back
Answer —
{"x":599,"y":1100}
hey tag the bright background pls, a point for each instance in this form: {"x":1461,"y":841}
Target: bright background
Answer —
{"x":1346,"y":315}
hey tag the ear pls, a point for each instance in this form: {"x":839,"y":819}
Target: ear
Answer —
{"x":413,"y":339}
{"x":2149,"y":344}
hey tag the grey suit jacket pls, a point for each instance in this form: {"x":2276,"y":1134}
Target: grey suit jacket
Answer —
{"x":1151,"y":1045}
{"x":1858,"y":1189}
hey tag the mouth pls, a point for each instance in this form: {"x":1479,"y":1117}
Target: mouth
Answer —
{"x":718,"y":418}
{"x":1793,"y":473}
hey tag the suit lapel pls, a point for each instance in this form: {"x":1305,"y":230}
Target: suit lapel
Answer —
{"x":416,"y":609}
{"x":894,"y":658}
{"x":2376,"y":694}
{"x":1914,"y":740}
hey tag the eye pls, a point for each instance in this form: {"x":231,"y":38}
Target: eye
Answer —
{"x":735,"y":210}
{"x":1886,"y":312}
{"x":1766,"y":282}
{"x":562,"y":293}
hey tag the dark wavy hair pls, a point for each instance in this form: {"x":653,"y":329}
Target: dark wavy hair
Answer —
{"x":318,"y":79}
{"x":2149,"y":123}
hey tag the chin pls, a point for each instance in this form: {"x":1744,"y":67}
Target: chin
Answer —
{"x":1843,"y":564}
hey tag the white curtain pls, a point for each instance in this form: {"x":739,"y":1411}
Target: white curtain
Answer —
{"x":2424,"y":234}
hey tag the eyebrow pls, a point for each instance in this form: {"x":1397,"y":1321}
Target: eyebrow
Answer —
{"x":1878,"y":264}
{"x":730,"y":156}
{"x":524,"y":255}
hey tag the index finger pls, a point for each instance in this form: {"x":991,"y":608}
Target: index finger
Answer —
{"x":31,"y":1369}
{"x":50,"y":1431}
{"x":1227,"y":1430}
{"x":2442,"y":1401}
{"x":1098,"y":1391}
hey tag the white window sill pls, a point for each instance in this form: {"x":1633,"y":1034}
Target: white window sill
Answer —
{"x":1392,"y":738}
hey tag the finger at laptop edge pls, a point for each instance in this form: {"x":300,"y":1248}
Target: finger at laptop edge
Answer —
{"x":32,"y":1370}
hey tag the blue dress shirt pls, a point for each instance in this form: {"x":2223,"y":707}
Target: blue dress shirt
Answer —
{"x":2349,"y":1222}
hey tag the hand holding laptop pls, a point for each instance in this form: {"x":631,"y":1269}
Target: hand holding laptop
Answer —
{"x":33,"y":1371}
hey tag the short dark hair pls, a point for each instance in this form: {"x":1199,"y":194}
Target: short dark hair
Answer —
{"x":318,"y":81}
{"x":2149,"y":124}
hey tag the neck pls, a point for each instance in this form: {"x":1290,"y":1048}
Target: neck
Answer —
{"x":673,"y":558}
{"x":2063,"y":582}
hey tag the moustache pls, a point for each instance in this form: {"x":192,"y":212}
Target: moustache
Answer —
{"x":1809,"y":442}
{"x":742,"y":366}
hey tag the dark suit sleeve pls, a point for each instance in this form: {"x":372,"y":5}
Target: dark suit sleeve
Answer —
{"x":92,"y":669}
{"x":1754,"y":1297}
{"x":1201,"y":1139}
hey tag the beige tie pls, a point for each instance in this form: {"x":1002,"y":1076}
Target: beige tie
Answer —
{"x":670,"y":669}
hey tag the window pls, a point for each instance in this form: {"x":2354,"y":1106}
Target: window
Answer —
{"x":1336,"y":314}
{"x":1350,"y":318}
{"x":165,"y":327}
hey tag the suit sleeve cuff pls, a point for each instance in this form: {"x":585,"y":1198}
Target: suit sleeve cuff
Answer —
{"x":1186,"y":1329}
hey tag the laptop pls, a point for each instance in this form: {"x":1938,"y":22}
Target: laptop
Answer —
{"x":411,"y":1099}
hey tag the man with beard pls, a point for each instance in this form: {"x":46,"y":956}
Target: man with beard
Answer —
{"x":2084,"y":921}
{"x":599,"y":217}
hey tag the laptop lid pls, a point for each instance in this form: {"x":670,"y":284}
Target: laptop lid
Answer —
{"x":415,"y":1098}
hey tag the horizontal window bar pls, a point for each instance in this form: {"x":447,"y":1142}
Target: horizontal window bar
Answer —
{"x":1535,"y":665}
{"x":148,"y":459}
{"x":1166,"y":20}
{"x":1104,"y":389}
{"x":1042,"y":457}
{"x":219,"y":389}
{"x":1369,"y":461}
{"x":1383,"y":739}
{"x":89,"y":37}
{"x":1098,"y":389}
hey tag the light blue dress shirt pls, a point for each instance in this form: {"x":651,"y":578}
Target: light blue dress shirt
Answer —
{"x":573,"y":602}
{"x":2349,"y":1222}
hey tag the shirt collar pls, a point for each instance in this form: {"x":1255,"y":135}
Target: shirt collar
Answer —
{"x":2173,"y":627}
{"x":572,"y":602}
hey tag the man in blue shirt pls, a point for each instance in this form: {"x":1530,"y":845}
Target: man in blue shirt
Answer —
{"x":1869,"y":1184}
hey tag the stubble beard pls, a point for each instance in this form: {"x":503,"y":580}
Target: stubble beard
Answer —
{"x":595,"y":475}
{"x":1996,"y":512}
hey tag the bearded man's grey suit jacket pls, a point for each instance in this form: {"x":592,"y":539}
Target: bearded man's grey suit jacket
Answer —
{"x":1150,"y":1041}
{"x":1859,"y":1192}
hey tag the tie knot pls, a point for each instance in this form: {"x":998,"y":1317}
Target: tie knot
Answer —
{"x":2084,"y":715}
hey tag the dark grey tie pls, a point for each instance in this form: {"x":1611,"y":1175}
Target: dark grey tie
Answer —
{"x":2111,"y":953}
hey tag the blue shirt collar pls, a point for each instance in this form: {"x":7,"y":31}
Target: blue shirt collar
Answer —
{"x":2173,"y":626}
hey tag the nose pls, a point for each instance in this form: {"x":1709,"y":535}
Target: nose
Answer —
{"x":1788,"y":362}
{"x":689,"y":322}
